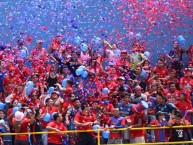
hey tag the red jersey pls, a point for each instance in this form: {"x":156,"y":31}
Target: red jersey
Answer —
{"x":34,"y":103}
{"x":183,"y":106}
{"x":172,"y":96}
{"x":56,"y":46}
{"x":23,"y":73}
{"x":50,"y":111}
{"x":56,"y":138}
{"x":10,"y":83}
{"x":67,"y":105}
{"x":39,"y":56}
{"x":84,"y":118}
{"x":162,"y":72}
{"x":186,"y":83}
{"x":24,"y":128}
{"x":134,"y":120}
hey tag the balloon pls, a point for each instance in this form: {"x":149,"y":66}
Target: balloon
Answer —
{"x":182,"y":41}
{"x":64,"y":83}
{"x":2,"y":122}
{"x":105,"y":134}
{"x":47,"y":117}
{"x":50,"y":90}
{"x":84,"y":74}
{"x":19,"y":116}
{"x":79,"y":71}
{"x":147,"y":54}
{"x":105,"y":91}
{"x":81,"y":67}
{"x":2,"y":105}
{"x":15,"y":109}
{"x":84,"y":47}
{"x":19,"y":105}
{"x":96,"y":128}
{"x":180,"y":37}
{"x":29,"y":86}
{"x":77,"y":40}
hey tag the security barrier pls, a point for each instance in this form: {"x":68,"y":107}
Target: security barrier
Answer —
{"x":122,"y":129}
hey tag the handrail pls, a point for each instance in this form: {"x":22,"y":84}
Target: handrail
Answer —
{"x":120,"y":129}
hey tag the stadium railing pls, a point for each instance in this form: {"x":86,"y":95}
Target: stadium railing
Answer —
{"x":122,"y":129}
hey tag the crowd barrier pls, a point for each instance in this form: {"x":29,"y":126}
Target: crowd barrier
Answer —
{"x":122,"y":129}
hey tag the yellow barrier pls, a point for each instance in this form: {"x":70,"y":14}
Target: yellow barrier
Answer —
{"x":122,"y":129}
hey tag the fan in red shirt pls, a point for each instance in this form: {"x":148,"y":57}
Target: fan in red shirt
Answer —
{"x":57,"y":126}
{"x":184,"y":103}
{"x":69,"y":103}
{"x":22,"y":71}
{"x":18,"y":94}
{"x":11,"y":81}
{"x":186,"y":81}
{"x":106,"y":106}
{"x":137,"y":120}
{"x":172,"y":78}
{"x":96,"y":56}
{"x":109,"y":83}
{"x":56,"y":44}
{"x":67,"y":90}
{"x":49,"y":108}
{"x":95,"y":68}
{"x":38,"y":82}
{"x":20,"y":123}
{"x":160,"y":69}
{"x":123,"y":64}
{"x":84,"y":121}
{"x":172,"y":94}
{"x":33,"y":99}
{"x":38,"y":56}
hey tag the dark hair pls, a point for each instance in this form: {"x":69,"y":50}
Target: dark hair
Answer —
{"x":47,"y":100}
{"x":171,"y":83}
{"x":84,"y":105}
{"x":69,"y":82}
{"x":127,"y":94}
{"x":75,"y":100}
{"x":70,"y":95}
{"x":121,"y":89}
{"x":94,"y":102}
{"x":159,"y":113}
{"x":55,"y":116}
{"x":175,"y":41}
{"x":145,"y":62}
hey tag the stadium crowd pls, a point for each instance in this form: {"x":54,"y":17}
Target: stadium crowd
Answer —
{"x":79,"y":88}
